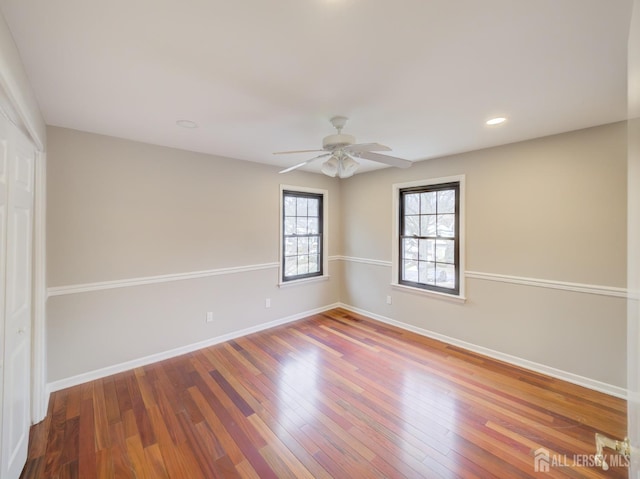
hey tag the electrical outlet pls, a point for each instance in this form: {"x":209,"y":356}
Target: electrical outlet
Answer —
{"x":389,"y":299}
{"x":267,"y":303}
{"x":210,"y":317}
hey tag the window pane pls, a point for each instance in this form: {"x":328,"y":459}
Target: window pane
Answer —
{"x":313,"y":226}
{"x":446,"y":225}
{"x":289,"y":226}
{"x":445,"y":275}
{"x":428,"y":225}
{"x":412,"y":225}
{"x":303,"y":264}
{"x":412,"y":204}
{"x":445,"y":251}
{"x":314,"y":245}
{"x":446,"y":201}
{"x":428,"y":203}
{"x":427,"y":250}
{"x":301,"y":226}
{"x":289,"y":206}
{"x":301,"y":206}
{"x":303,"y":245}
{"x":314,"y":263}
{"x":427,"y":272}
{"x":312,"y":205}
{"x":290,"y":246}
{"x":410,"y":247}
{"x":291,"y":266}
{"x":410,"y":271}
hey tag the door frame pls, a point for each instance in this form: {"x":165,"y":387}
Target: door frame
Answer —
{"x":39,"y":390}
{"x":15,"y":105}
{"x":633,"y":241}
{"x":39,"y":393}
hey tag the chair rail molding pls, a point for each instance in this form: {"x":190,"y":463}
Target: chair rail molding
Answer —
{"x":163,"y":278}
{"x":613,"y":291}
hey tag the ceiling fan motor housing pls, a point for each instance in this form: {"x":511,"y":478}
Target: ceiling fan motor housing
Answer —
{"x":333,"y":142}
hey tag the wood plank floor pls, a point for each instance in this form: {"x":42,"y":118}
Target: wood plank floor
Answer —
{"x":335,"y":395}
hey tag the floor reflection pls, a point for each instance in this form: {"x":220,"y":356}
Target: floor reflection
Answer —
{"x":298,"y":388}
{"x":429,"y":412}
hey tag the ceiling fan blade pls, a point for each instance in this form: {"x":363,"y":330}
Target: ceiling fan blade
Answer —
{"x":296,"y":151}
{"x":386,"y":159}
{"x":366,"y":147}
{"x":299,"y":165}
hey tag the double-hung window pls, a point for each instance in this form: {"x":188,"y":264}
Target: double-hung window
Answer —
{"x":302,"y":235}
{"x":429,"y":237}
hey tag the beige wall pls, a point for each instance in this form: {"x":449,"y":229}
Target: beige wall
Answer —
{"x":553,"y":209}
{"x":538,"y":208}
{"x":119,"y":210}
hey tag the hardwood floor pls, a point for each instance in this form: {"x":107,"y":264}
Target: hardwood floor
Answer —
{"x":335,"y":395}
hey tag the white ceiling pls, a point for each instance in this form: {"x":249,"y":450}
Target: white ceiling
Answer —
{"x":258,"y":76}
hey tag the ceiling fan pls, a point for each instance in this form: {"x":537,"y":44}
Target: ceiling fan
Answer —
{"x":342,"y":151}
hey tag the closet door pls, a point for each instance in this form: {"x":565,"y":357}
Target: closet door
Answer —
{"x":19,"y":157}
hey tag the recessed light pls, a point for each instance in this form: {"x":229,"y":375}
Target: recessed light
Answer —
{"x":187,"y":124}
{"x":496,"y":121}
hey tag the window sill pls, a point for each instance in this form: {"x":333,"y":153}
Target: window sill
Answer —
{"x":299,"y":282}
{"x":432,"y":294}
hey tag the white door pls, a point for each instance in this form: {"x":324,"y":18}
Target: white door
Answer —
{"x":18,"y":158}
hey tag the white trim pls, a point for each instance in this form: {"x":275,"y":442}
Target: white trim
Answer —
{"x":427,"y":292}
{"x":589,"y":383}
{"x":535,"y":282}
{"x":516,"y":361}
{"x":395,"y":239}
{"x":124,"y":283}
{"x":551,"y":284}
{"x":375,"y":262}
{"x":303,"y":281}
{"x":165,"y":278}
{"x":18,"y":104}
{"x":143,"y":361}
{"x":16,"y":93}
{"x":325,"y":231}
{"x":503,"y":278}
{"x":39,"y":394}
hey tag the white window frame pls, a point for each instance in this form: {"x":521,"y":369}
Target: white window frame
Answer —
{"x":325,"y":236}
{"x":395,"y":242}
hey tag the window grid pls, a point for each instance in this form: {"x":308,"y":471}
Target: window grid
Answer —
{"x":302,"y":255}
{"x":429,"y":237}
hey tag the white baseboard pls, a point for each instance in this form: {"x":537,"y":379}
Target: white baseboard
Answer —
{"x":610,"y":389}
{"x":507,"y":358}
{"x":143,"y":361}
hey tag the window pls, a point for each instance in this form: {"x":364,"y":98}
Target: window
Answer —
{"x":302,"y":234}
{"x":429,"y":237}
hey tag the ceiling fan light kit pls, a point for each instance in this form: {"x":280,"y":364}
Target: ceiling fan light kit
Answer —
{"x":330,"y":167}
{"x":342,"y":149}
{"x":340,"y":166}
